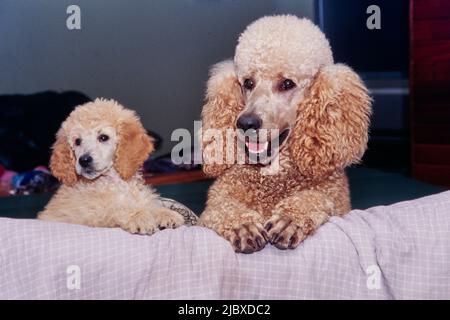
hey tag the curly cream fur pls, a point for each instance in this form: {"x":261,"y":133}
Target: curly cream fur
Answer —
{"x":117,"y":197}
{"x":329,"y":133}
{"x":282,"y":43}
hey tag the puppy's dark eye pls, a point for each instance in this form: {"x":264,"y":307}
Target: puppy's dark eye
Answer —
{"x":249,"y":84}
{"x":77,"y":141}
{"x":286,"y":84}
{"x":103,"y":138}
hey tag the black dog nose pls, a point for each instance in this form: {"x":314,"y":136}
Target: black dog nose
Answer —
{"x":85,"y":160}
{"x":249,"y":121}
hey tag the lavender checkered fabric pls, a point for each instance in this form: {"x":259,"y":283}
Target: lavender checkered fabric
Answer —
{"x":396,"y":252}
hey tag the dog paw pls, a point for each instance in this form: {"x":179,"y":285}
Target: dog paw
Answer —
{"x":284,"y":233}
{"x":248,"y":238}
{"x":166,"y":218}
{"x":141,"y":223}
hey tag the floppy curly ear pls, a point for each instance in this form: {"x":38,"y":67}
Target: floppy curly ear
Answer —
{"x":133,"y":147}
{"x":62,"y":160}
{"x":224,"y":101}
{"x":331,"y":129}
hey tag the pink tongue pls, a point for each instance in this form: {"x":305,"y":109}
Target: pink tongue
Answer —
{"x":256,"y":147}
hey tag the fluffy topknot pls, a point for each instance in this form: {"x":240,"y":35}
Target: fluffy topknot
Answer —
{"x":282,"y":43}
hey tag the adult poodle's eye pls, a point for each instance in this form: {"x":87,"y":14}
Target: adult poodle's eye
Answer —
{"x":77,"y":141}
{"x":249,"y":84}
{"x":103,"y":138}
{"x":286,"y":84}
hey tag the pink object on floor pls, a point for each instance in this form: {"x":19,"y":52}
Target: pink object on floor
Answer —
{"x":7,"y":176}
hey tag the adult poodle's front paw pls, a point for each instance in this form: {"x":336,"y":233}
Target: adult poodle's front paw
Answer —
{"x":166,"y":218}
{"x":141,"y":223}
{"x":284,"y":233}
{"x":248,"y":238}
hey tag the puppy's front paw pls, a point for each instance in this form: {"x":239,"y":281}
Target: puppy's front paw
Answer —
{"x":166,"y":218}
{"x":142,"y":223}
{"x":248,"y":238}
{"x":284,"y":233}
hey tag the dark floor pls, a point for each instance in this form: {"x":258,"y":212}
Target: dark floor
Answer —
{"x":369,"y":188}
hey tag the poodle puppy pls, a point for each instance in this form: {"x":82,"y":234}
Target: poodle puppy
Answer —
{"x":282,"y":79}
{"x":97,"y":154}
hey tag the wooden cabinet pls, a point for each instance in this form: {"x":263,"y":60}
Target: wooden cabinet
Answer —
{"x":430,"y":90}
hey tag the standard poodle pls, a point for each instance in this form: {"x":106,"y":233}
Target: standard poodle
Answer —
{"x":283,"y":80}
{"x":97,"y":154}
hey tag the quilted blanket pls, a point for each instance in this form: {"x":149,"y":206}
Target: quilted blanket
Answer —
{"x":400,"y":251}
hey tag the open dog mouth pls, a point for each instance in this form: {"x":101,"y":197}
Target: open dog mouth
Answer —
{"x":265,"y":149}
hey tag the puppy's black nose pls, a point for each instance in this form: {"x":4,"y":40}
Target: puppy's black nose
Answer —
{"x":249,"y":121}
{"x":85,"y":160}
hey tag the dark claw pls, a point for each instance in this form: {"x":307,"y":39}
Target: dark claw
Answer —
{"x":259,"y":242}
{"x":237,"y":244}
{"x":293,"y":239}
{"x":274,"y":237}
{"x":279,"y":238}
{"x":269,"y":226}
